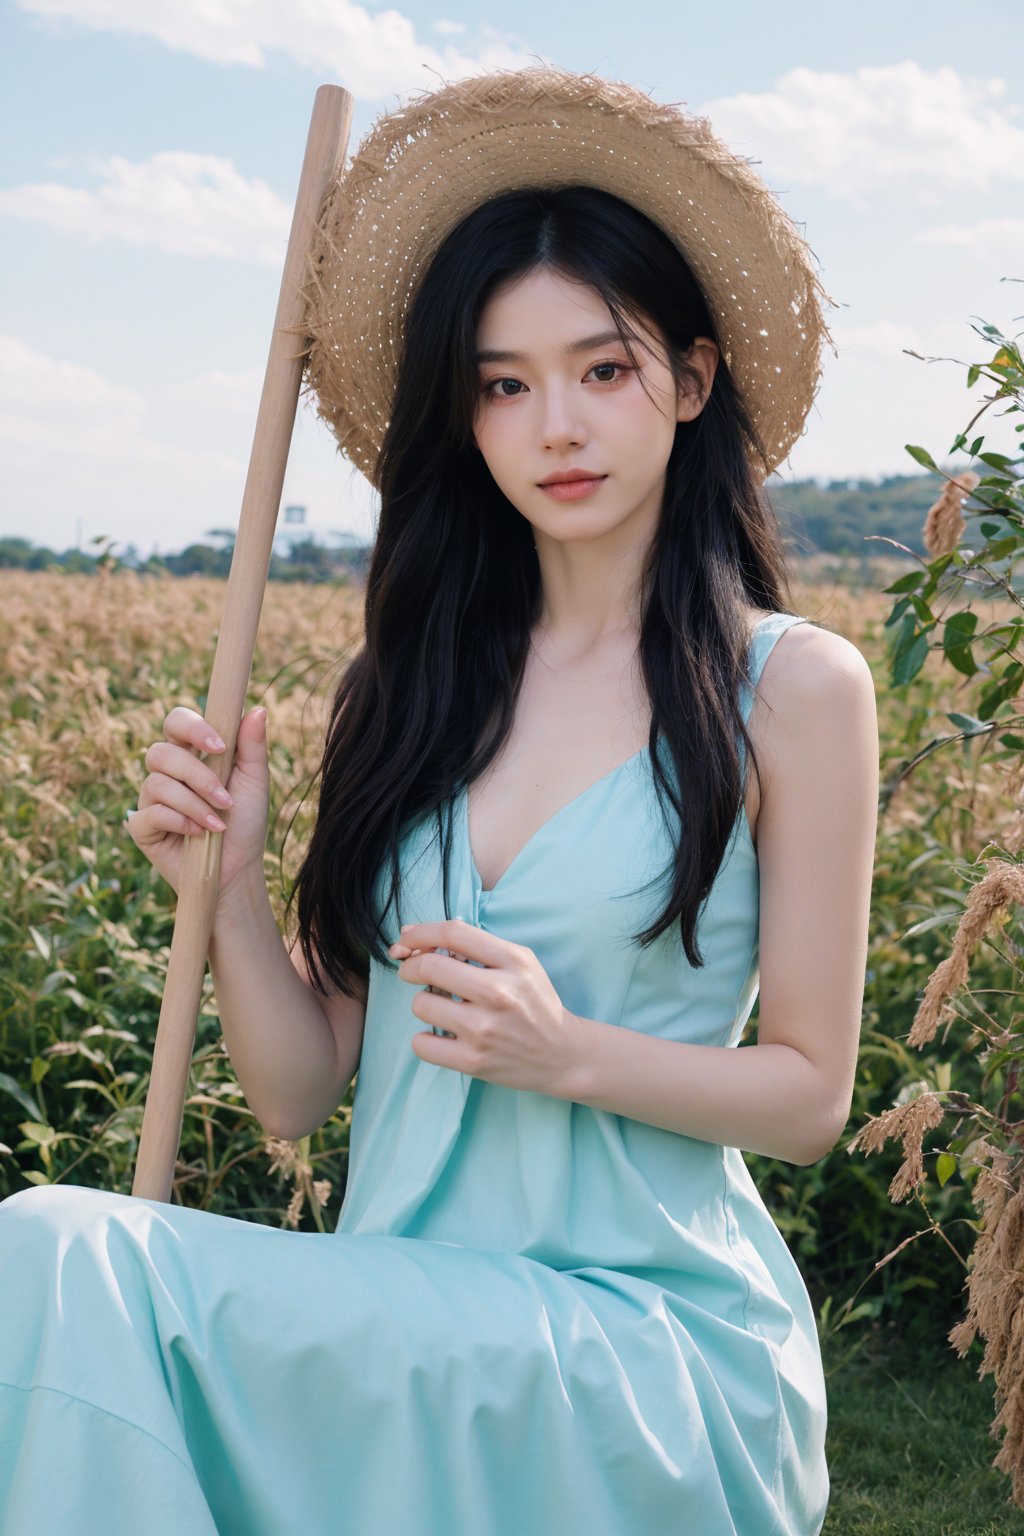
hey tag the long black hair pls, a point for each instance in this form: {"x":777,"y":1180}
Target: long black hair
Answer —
{"x":453,"y":587}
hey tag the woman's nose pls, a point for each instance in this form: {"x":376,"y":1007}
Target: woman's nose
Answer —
{"x":561,"y":426}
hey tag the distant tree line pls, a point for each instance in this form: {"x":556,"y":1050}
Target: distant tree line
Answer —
{"x":305,"y":561}
{"x":837,"y":518}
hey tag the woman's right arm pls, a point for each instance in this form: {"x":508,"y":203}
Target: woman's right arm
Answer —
{"x":293,"y":1049}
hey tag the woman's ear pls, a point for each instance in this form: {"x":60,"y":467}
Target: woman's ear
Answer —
{"x":703,"y":356}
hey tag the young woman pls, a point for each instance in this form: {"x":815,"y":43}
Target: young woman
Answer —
{"x":540,"y":898}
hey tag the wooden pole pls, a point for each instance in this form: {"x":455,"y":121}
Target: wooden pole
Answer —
{"x":326,"y":147}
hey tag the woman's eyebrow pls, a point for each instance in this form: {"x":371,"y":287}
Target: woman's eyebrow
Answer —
{"x":583,"y":344}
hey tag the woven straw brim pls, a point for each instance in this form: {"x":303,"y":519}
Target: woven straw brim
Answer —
{"x":423,"y":167}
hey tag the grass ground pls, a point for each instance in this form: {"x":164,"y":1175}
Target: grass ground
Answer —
{"x":908,"y":1444}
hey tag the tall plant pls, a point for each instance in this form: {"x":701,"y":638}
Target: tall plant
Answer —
{"x":974,"y":538}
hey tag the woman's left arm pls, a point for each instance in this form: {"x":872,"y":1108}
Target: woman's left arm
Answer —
{"x":789,"y":1094}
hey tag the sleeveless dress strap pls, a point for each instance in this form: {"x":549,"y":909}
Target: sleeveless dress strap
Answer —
{"x":764,"y":636}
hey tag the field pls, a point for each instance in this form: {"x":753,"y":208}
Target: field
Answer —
{"x":92,"y":666}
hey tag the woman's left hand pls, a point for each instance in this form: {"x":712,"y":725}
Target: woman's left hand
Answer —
{"x":510,"y":1028}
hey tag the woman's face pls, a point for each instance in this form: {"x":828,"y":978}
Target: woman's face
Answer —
{"x":569,"y":399}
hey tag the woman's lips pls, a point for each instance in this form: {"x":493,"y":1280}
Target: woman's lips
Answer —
{"x":572,"y":490}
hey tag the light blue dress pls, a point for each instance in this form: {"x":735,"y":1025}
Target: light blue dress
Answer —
{"x":534,"y":1317}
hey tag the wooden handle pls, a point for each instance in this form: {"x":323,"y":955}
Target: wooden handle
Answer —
{"x":326,"y":146}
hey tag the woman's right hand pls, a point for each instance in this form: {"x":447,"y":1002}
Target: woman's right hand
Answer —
{"x":181,"y":794}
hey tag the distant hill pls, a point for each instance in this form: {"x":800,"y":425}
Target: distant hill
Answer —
{"x":837,"y":517}
{"x":834,"y":518}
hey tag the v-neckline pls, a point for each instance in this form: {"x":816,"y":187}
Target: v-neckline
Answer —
{"x":612,"y":773}
{"x":563,"y":809}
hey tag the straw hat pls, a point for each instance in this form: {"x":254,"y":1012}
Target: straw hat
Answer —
{"x":424,"y":167}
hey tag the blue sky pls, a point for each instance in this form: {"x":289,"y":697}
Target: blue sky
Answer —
{"x":150,"y":155}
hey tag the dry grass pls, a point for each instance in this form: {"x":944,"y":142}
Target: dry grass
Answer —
{"x":94,"y":664}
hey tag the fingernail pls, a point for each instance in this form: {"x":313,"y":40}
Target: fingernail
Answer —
{"x":214,"y":744}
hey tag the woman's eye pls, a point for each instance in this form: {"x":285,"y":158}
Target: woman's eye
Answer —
{"x":620,"y":366}
{"x":492,"y":387}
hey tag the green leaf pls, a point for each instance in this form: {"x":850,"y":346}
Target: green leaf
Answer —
{"x":921,"y":455}
{"x":996,"y":460}
{"x":1004,"y":547}
{"x":963,"y":660}
{"x":909,"y":583}
{"x":41,"y":1134}
{"x":927,"y":924}
{"x":909,"y":659}
{"x":997,"y":692}
{"x":77,"y":998}
{"x":41,"y":942}
{"x":960,"y":627}
{"x":53,"y":981}
{"x":17,"y":1092}
{"x":969,"y":723}
{"x":40,"y":1067}
{"x":945,"y":1167}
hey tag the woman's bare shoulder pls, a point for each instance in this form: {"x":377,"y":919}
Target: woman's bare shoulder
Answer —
{"x":815,"y":693}
{"x":814,"y":682}
{"x":810,"y":659}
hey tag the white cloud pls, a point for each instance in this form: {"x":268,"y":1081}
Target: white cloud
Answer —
{"x":75,"y":437}
{"x":876,"y":128}
{"x":999,"y":239}
{"x":84,"y":456}
{"x":184,"y":203}
{"x":218,"y":390}
{"x":372,"y":54}
{"x":884,"y":341}
{"x":47,"y":400}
